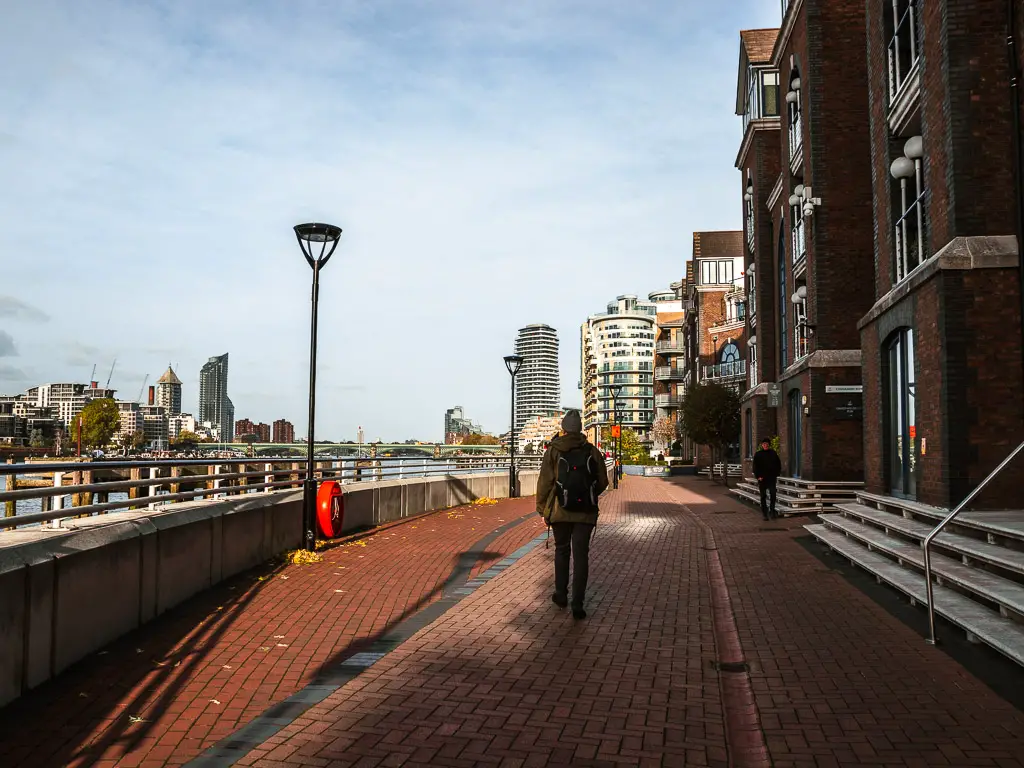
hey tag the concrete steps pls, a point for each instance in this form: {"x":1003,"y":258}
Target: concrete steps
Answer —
{"x":978,"y":561}
{"x":800,"y":497}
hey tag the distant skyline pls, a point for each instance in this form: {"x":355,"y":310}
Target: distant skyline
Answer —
{"x":492,"y":166}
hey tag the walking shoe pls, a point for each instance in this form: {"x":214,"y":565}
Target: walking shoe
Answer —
{"x":560,"y":600}
{"x":578,"y":613}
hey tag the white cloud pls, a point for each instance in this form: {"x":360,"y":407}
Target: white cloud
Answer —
{"x":492,"y":165}
{"x":7,"y":347}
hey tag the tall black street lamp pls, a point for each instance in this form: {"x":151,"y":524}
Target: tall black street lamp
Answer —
{"x":616,"y":421}
{"x":513,"y":363}
{"x":312,"y":238}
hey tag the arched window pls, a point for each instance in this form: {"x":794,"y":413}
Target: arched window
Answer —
{"x":783,"y":301}
{"x":901,"y":405}
{"x":730,"y":353}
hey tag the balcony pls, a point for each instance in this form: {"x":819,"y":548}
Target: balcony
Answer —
{"x":725,"y":370}
{"x":668,"y":401}
{"x":667,"y":373}
{"x":671,"y":347}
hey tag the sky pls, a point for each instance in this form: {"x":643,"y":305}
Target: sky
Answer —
{"x":491,"y":165}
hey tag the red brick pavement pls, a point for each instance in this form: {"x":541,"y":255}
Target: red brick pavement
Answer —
{"x":838,"y":680}
{"x":505,"y":679}
{"x":203,"y":670}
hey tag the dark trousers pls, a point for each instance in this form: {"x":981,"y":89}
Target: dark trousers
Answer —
{"x":574,"y":538}
{"x":767,"y":488}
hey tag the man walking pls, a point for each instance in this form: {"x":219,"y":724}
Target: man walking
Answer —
{"x":767,"y":468}
{"x":572,"y":476}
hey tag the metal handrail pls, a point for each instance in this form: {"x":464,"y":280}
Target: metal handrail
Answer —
{"x":269,"y":471}
{"x":938,"y":529}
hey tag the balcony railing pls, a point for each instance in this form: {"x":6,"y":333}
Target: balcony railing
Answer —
{"x":667,"y":373}
{"x":904,"y":48}
{"x":726,"y":370}
{"x":671,"y":346}
{"x":668,"y":401}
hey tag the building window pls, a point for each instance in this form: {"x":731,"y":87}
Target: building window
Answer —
{"x":909,"y":209}
{"x":748,"y":203}
{"x":762,"y":95}
{"x":716,"y":272}
{"x":902,"y":414}
{"x":793,"y":111}
{"x":798,"y":243}
{"x":800,"y":343}
{"x":753,"y":361}
{"x":749,"y":432}
{"x":751,"y":293}
{"x":904,"y":44}
{"x":783,"y":301}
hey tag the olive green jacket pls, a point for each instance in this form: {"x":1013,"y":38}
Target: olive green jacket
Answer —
{"x":547,"y":502}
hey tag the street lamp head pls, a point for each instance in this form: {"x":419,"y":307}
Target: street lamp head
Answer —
{"x":311,"y":235}
{"x":616,"y":390}
{"x":513,"y":363}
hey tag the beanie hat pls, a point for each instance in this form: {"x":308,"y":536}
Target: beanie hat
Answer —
{"x":572,"y":422}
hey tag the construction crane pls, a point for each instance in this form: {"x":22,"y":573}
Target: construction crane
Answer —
{"x":111,"y":375}
{"x":92,"y":376}
{"x":141,"y":391}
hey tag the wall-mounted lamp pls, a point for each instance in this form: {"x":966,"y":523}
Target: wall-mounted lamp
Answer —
{"x":810,"y":202}
{"x":904,"y":167}
{"x":750,"y":269}
{"x":752,"y":341}
{"x":749,"y":193}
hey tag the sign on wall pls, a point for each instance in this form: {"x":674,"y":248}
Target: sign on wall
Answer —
{"x":844,"y":389}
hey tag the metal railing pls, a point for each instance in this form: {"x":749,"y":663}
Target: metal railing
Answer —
{"x":926,"y":545}
{"x":669,"y":374}
{"x":725,"y":370}
{"x":155,"y":483}
{"x":668,"y":401}
{"x":671,"y":346}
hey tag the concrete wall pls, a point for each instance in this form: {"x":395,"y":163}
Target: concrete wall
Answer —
{"x":66,"y":593}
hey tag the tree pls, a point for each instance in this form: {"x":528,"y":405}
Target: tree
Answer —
{"x":37,"y":440}
{"x":133,"y":441}
{"x":710,"y":415}
{"x":100,"y":422}
{"x":664,"y":431}
{"x":631,"y":449}
{"x":477,"y":439}
{"x":185,"y":441}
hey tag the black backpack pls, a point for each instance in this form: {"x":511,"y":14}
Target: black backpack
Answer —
{"x":576,"y":482}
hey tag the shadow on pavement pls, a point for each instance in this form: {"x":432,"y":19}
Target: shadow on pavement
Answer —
{"x":60,"y":732}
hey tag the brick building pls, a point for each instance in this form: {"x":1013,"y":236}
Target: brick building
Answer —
{"x":714,"y":332}
{"x":809,"y":244}
{"x":670,"y":345}
{"x":246,"y":427}
{"x":942,"y":343}
{"x":284,"y":432}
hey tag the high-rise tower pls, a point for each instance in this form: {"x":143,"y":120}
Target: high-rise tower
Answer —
{"x":537,"y":387}
{"x":214,"y":404}
{"x":168,"y":392}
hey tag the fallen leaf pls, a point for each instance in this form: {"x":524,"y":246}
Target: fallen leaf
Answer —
{"x":138,"y":650}
{"x":134,"y":719}
{"x":342,"y":591}
{"x":159,"y":663}
{"x":264,"y":648}
{"x":83,"y":695}
{"x":285,"y":578}
{"x":226,"y":666}
{"x":282,"y":645}
{"x":103,"y":653}
{"x":177,"y":663}
{"x":214,"y":701}
{"x":278,"y":637}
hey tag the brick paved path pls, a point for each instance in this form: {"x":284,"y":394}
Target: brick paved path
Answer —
{"x":504,"y":678}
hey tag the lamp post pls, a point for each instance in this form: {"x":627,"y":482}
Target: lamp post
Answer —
{"x":312,"y":238}
{"x":513,"y":363}
{"x":616,"y":421}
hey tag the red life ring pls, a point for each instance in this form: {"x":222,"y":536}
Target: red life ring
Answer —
{"x":330,"y":509}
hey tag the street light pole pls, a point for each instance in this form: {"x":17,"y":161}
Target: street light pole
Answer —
{"x":513,"y":363}
{"x":616,"y":391}
{"x":327,"y":236}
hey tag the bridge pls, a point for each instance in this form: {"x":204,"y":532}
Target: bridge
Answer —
{"x":357,"y":450}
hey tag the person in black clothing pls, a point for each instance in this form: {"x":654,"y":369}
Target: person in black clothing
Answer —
{"x":767,"y":468}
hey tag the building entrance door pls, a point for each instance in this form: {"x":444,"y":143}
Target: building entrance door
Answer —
{"x":796,"y":412}
{"x":902,"y":427}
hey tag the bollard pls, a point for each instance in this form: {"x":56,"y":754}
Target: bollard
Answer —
{"x":154,"y":473}
{"x":269,"y":477}
{"x":217,"y":483}
{"x":135,"y":492}
{"x":58,"y":501}
{"x":176,"y":472}
{"x":242,"y":481}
